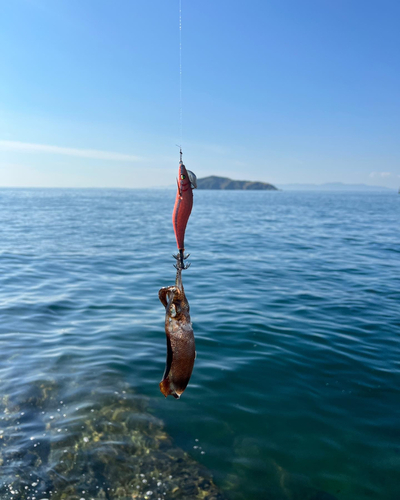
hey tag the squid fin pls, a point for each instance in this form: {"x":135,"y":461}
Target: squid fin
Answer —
{"x":166,"y":389}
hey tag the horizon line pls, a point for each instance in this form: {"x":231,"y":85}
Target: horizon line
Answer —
{"x":171,"y":187}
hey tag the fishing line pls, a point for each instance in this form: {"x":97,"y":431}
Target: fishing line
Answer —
{"x":180,"y":72}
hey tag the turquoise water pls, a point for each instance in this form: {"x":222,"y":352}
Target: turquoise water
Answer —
{"x":295,"y":306}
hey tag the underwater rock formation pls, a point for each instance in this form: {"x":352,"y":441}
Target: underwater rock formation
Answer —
{"x":106,"y":448}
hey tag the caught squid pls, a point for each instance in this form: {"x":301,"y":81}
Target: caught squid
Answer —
{"x":183,"y":206}
{"x":180,"y":339}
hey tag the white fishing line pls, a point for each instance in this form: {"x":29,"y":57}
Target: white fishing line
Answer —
{"x":180,"y":74}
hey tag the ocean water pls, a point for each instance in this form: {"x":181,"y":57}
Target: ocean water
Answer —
{"x":295,"y":303}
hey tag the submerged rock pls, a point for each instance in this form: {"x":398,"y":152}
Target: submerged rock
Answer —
{"x":109,"y":447}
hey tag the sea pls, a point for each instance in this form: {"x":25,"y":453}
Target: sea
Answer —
{"x":295,"y":303}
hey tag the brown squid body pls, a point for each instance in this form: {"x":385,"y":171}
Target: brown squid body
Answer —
{"x":180,"y":339}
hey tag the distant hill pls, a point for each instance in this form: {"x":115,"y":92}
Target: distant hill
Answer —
{"x":214,"y":182}
{"x":332,"y":186}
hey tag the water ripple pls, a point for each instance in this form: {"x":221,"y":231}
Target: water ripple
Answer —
{"x":294,"y":301}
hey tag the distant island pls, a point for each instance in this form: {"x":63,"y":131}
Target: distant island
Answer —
{"x":214,"y":182}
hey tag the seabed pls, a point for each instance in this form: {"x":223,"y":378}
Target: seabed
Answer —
{"x":108,"y":447}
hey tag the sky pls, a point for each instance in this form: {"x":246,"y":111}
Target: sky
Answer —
{"x":280,"y":91}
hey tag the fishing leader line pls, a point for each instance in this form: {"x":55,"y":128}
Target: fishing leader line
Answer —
{"x":180,"y":73}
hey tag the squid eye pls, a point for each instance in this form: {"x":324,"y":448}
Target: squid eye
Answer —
{"x":183,"y":176}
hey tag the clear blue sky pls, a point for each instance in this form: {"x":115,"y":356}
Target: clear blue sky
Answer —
{"x":280,"y":91}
